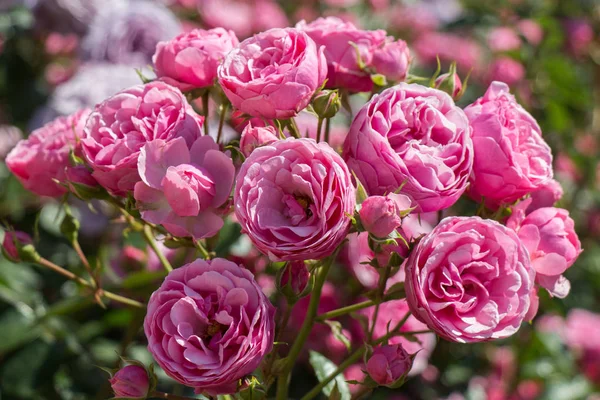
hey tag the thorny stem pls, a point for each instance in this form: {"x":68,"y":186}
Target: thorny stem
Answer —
{"x":379,"y":299}
{"x":85,"y":263}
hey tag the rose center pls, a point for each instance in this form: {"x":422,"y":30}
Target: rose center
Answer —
{"x":298,"y":208}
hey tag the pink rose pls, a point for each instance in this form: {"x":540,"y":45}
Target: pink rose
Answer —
{"x":121,"y":125}
{"x":507,"y":70}
{"x":545,"y":196}
{"x":293,"y":198}
{"x":549,"y":235}
{"x":381,"y":215}
{"x":379,"y":53}
{"x":579,"y":34}
{"x":470,"y":280}
{"x":413,"y":135}
{"x":503,"y":38}
{"x":183,"y":188}
{"x":511,"y":158}
{"x":582,"y":335}
{"x":44,"y":156}
{"x":13,"y":240}
{"x":209,"y":324}
{"x":273,"y":74}
{"x":532,"y":31}
{"x":253,"y":137}
{"x":389,"y":365}
{"x":390,"y":314}
{"x":130,"y":382}
{"x":190,"y":60}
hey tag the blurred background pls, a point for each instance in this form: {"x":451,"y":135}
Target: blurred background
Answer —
{"x":57,"y":56}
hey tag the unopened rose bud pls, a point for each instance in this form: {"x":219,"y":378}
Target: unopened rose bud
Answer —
{"x":82,"y":184}
{"x":327,"y":103}
{"x":13,"y":242}
{"x":449,"y":83}
{"x":389,"y":365}
{"x":131,"y":382}
{"x":253,"y":137}
{"x":381,"y":215}
{"x":294,"y":280}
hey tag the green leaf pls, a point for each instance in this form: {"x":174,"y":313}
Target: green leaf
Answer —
{"x":323,"y":368}
{"x":379,"y":80}
{"x":396,"y":291}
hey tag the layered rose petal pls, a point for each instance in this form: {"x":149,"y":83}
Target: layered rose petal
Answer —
{"x":511,"y":158}
{"x":294,"y":197}
{"x":414,"y":136}
{"x":273,"y":74}
{"x":209,"y":324}
{"x":120,"y":126}
{"x":470,"y":280}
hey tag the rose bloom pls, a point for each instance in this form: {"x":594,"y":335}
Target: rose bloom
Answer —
{"x":44,"y":156}
{"x":121,"y":125}
{"x":507,"y":70}
{"x":549,"y":235}
{"x":511,"y":158}
{"x":273,"y":74}
{"x":183,"y":188}
{"x":389,"y":364}
{"x":190,"y":61}
{"x":379,"y":53}
{"x":470,"y":280}
{"x":582,"y":335}
{"x":293,"y":198}
{"x":545,"y":196}
{"x":503,"y":38}
{"x":209,"y":324}
{"x":414,"y":136}
{"x":130,"y":382}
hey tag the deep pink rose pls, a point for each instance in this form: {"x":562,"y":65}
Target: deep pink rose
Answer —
{"x":470,"y":280}
{"x":507,"y":70}
{"x":190,"y":60}
{"x":273,"y":74}
{"x":546,"y":195}
{"x":381,"y":215}
{"x":413,"y":135}
{"x":44,"y":156}
{"x":209,"y":324}
{"x":511,"y":158}
{"x":389,"y":364}
{"x":293,"y":198}
{"x":253,"y":137}
{"x":11,"y":243}
{"x":121,"y":125}
{"x":379,"y":53}
{"x":549,"y":235}
{"x":503,"y":38}
{"x":390,"y":314}
{"x":130,"y":382}
{"x":579,"y":34}
{"x":183,"y":188}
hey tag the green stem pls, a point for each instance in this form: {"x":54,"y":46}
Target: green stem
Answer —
{"x":205,"y":98}
{"x":224,"y":108}
{"x":309,"y":320}
{"x":203,"y":252}
{"x":381,"y":290}
{"x":319,"y":128}
{"x":345,"y":310}
{"x":147,"y":232}
{"x":327,"y":129}
{"x":293,"y":127}
{"x":122,"y":299}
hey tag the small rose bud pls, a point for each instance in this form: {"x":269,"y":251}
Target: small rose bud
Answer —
{"x":82,"y":184}
{"x":294,"y":280}
{"x":389,"y":365}
{"x":253,"y":137}
{"x":13,"y":241}
{"x":131,"y":382}
{"x":449,"y":83}
{"x":381,"y":215}
{"x":327,"y":103}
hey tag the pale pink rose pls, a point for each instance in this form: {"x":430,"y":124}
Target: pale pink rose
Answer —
{"x":503,"y":39}
{"x":507,"y":70}
{"x":183,"y":189}
{"x":209,"y":324}
{"x":414,"y":136}
{"x":43,"y":157}
{"x":381,"y":215}
{"x":11,"y":243}
{"x":273,"y":74}
{"x":389,"y":364}
{"x":253,"y":137}
{"x":549,"y":235}
{"x":470,"y":280}
{"x":379,"y":53}
{"x":130,"y":382}
{"x":390,"y":314}
{"x":532,"y":31}
{"x":511,"y":157}
{"x":546,"y":195}
{"x":448,"y":47}
{"x":293,"y":198}
{"x":190,"y":60}
{"x":121,"y":125}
